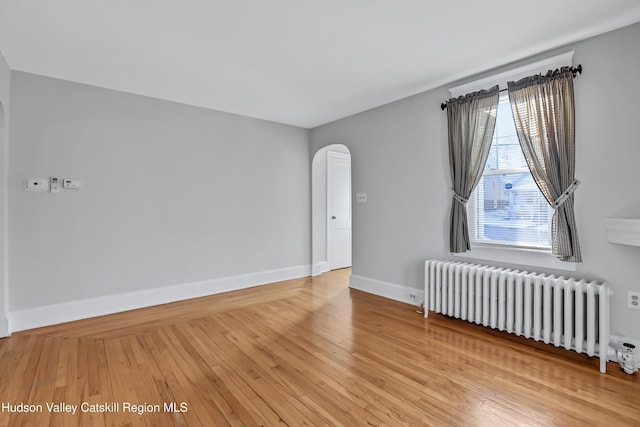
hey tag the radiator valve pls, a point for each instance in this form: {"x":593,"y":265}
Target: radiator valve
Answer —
{"x":627,"y":361}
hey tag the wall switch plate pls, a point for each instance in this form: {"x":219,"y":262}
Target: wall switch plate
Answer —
{"x":71,"y":183}
{"x":37,"y":184}
{"x":633,"y":300}
{"x":361,"y":197}
{"x":54,"y":184}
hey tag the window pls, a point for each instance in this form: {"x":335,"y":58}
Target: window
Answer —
{"x":507,"y":208}
{"x":484,"y":244}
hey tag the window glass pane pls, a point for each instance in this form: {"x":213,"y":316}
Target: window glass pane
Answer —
{"x":512,"y":210}
{"x":505,"y":149}
{"x":508,"y":206}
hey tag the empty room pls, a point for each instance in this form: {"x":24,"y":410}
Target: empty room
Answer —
{"x":322,"y":213}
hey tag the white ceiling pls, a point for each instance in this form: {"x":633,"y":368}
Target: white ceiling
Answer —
{"x":300,"y":62}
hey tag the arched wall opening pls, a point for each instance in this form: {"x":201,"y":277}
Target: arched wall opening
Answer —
{"x":320,"y":218}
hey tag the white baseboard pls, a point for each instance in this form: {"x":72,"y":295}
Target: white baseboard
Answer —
{"x":388,"y":290}
{"x":36,"y":317}
{"x":319,"y":268}
{"x":4,"y":327}
{"x":324,"y":267}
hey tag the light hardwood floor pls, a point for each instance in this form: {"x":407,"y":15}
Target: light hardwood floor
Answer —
{"x":303,"y":352}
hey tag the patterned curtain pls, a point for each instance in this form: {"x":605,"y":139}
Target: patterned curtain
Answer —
{"x":543,"y":110}
{"x":471,"y":121}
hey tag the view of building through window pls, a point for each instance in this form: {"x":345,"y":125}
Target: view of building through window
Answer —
{"x":507,"y":206}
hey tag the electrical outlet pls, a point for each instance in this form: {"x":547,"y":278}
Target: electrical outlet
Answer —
{"x":412,"y":296}
{"x":633,"y":300}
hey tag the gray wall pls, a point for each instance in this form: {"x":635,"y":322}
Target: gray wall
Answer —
{"x":399,"y":157}
{"x":171,"y":194}
{"x":5,"y":89}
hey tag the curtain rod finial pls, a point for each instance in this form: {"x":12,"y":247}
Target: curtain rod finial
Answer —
{"x":443,"y":106}
{"x":577,"y":70}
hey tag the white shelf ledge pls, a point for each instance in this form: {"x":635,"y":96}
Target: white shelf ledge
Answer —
{"x":623,"y":231}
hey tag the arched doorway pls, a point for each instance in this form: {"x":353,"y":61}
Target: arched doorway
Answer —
{"x":331,"y":209}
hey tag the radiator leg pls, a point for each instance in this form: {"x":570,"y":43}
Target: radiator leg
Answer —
{"x":427,"y":287}
{"x":605,"y":294}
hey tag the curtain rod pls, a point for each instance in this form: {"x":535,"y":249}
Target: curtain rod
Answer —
{"x":574,"y":70}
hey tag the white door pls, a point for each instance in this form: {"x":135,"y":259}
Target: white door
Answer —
{"x":338,"y":210}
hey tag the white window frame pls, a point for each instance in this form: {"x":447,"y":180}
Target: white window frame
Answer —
{"x":500,"y":252}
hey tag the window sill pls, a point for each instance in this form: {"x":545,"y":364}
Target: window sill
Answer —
{"x":517,"y":256}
